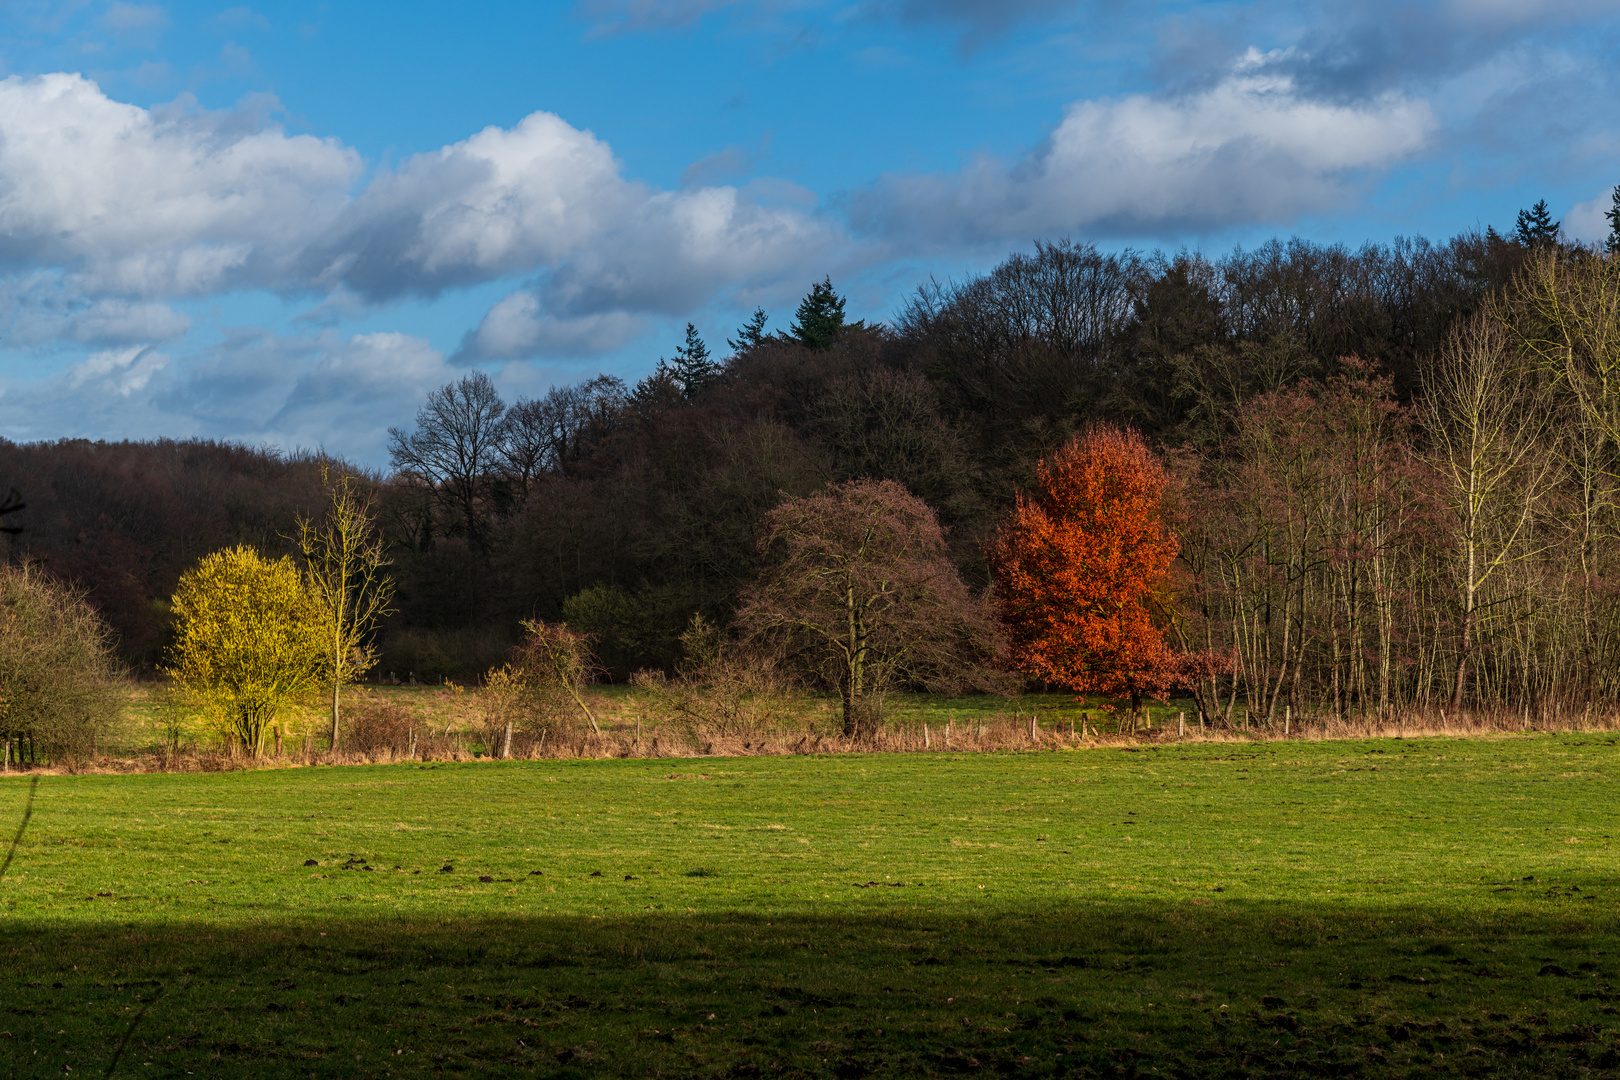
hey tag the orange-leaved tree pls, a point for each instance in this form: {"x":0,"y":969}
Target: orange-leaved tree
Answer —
{"x":1080,"y":565}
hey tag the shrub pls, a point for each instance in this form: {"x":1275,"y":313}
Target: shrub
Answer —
{"x":722,"y":691}
{"x":58,"y":677}
{"x":538,"y":691}
{"x":376,"y":726}
{"x":626,"y":629}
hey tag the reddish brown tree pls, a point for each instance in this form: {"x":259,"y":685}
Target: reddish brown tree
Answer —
{"x":1081,"y":564}
{"x":859,"y":590}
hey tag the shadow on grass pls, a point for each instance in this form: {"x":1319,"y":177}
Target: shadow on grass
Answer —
{"x":1115,"y":990}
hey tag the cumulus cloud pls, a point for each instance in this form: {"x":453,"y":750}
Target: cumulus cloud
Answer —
{"x":152,"y":203}
{"x":139,"y":205}
{"x":518,"y":326}
{"x":1249,"y":149}
{"x":1588,"y":221}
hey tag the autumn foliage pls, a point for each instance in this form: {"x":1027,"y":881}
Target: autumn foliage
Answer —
{"x":1079,"y":565}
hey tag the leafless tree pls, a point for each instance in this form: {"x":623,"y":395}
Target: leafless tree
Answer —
{"x":1488,"y":418}
{"x":546,"y":434}
{"x":455,"y":448}
{"x":343,"y":568}
{"x":859,"y":590}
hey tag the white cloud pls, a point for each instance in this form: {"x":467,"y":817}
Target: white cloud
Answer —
{"x":147,"y":203}
{"x":114,"y":202}
{"x":517,"y":326}
{"x":1586,"y":221}
{"x":547,"y":195}
{"x":500,"y":202}
{"x":121,"y":372}
{"x":1249,"y":149}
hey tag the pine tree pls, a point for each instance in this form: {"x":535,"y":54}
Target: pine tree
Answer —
{"x":820,"y":318}
{"x":751,"y":334}
{"x":1614,"y":223}
{"x":1536,"y":227}
{"x":693,"y":368}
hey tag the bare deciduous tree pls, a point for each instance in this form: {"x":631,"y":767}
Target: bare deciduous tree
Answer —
{"x":546,"y":434}
{"x":1487,"y":418}
{"x":343,"y":561}
{"x":858,"y":588}
{"x":455,"y":447}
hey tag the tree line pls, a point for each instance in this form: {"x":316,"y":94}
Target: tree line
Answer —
{"x":1293,"y":393}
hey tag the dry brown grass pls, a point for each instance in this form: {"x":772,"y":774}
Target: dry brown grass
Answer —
{"x":662,"y":721}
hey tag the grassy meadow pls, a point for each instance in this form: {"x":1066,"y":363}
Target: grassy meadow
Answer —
{"x":1313,"y":908}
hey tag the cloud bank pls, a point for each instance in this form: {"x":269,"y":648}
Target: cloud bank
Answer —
{"x":1249,"y":149}
{"x":108,"y":210}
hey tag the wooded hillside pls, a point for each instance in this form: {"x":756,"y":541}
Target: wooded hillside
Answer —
{"x":627,"y":509}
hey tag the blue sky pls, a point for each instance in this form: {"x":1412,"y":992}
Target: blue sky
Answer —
{"x":285,"y":223}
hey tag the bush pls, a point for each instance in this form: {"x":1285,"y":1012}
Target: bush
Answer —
{"x":375,"y":727}
{"x":537,"y":692}
{"x":722,"y":691}
{"x":58,"y":677}
{"x":626,"y":629}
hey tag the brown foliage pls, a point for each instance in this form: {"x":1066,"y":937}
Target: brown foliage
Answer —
{"x":859,"y":592}
{"x":1081,"y":569}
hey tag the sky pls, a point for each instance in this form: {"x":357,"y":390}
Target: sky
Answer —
{"x":284,"y":224}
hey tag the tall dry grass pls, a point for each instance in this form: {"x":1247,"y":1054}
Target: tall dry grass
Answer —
{"x":753,"y":719}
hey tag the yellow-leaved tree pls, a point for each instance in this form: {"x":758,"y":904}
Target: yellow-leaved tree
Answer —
{"x":248,"y":640}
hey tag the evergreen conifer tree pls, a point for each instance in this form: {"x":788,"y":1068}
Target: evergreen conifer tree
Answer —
{"x":820,"y":318}
{"x":693,"y":368}
{"x":1614,"y":223}
{"x":750,"y":334}
{"x":1536,"y":226}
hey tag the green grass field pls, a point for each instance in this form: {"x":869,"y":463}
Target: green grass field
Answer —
{"x":1281,"y":909}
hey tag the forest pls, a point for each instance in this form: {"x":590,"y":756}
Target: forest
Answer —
{"x":1390,"y":472}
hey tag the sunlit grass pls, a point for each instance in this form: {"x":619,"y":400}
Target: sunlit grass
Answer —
{"x":1284,"y":908}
